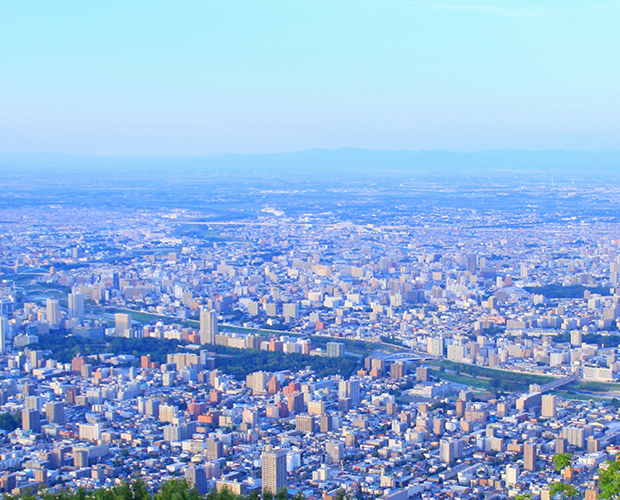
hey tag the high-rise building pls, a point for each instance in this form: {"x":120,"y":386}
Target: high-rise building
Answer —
{"x":422,"y":373}
{"x":548,"y":406}
{"x":435,"y":346}
{"x":334,"y":451}
{"x":290,"y":311}
{"x":167,"y":412}
{"x":350,"y":389}
{"x":122,"y":322}
{"x":305,"y":423}
{"x":529,"y":456}
{"x":273,"y":470}
{"x":197,"y":477}
{"x":325,"y":423}
{"x":90,"y":432}
{"x":576,"y":435}
{"x":450,"y":449}
{"x":4,"y":333}
{"x":75,"y":303}
{"x":398,"y":370}
{"x":53,"y":312}
{"x":295,"y":403}
{"x":31,"y":421}
{"x":215,"y":449}
{"x":472,"y":263}
{"x":512,"y":475}
{"x":80,"y":457}
{"x":456,"y":352}
{"x":335,"y":349}
{"x":151,"y":407}
{"x":55,"y":411}
{"x":33,"y":402}
{"x":208,"y":327}
{"x":259,"y":383}
{"x":561,"y":445}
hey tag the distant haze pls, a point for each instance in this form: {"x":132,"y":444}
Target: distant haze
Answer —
{"x":369,"y":162}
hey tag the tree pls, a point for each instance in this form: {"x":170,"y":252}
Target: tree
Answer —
{"x":562,"y":460}
{"x":10,"y":421}
{"x":177,"y":490}
{"x":564,"y":491}
{"x":523,"y":496}
{"x":609,"y":480}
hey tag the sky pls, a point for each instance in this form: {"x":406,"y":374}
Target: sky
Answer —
{"x":251,"y":76}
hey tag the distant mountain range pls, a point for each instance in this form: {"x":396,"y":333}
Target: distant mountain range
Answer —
{"x":354,"y":160}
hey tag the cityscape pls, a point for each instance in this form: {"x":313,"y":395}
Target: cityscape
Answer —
{"x":256,"y":347}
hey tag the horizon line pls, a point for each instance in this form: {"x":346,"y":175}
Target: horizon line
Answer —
{"x":345,"y":148}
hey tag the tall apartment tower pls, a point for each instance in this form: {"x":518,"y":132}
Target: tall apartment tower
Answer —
{"x":529,"y":456}
{"x":208,"y":327}
{"x":197,"y":477}
{"x":53,"y":312}
{"x":290,"y":311}
{"x":450,"y":449}
{"x":398,"y":370}
{"x":75,"y":302}
{"x":4,"y":333}
{"x":31,"y":421}
{"x":548,"y":406}
{"x":55,"y":411}
{"x":273,"y":470}
{"x":215,"y":449}
{"x":349,"y":389}
{"x":334,"y":451}
{"x":435,"y":346}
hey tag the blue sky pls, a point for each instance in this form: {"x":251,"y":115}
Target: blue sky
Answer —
{"x":192,"y":77}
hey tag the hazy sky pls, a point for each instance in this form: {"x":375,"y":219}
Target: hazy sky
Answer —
{"x":141,"y":77}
